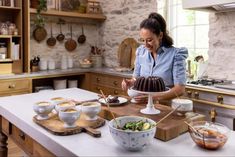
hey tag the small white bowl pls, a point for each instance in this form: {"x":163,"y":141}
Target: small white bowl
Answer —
{"x":42,"y":109}
{"x":69,"y":117}
{"x":91,"y":109}
{"x":186,"y":105}
{"x":132,"y":93}
{"x":132,"y":140}
{"x":63,"y":105}
{"x":85,"y":65}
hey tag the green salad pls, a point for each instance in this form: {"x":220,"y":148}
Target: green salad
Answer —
{"x":137,"y":126}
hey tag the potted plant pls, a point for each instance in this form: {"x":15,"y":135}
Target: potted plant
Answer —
{"x":40,"y":32}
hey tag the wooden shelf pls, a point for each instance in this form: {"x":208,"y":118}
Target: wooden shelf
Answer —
{"x":9,"y":36}
{"x":9,"y":8}
{"x":99,"y":17}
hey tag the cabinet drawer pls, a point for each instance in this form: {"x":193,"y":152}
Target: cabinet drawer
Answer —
{"x":22,"y":139}
{"x":14,"y":85}
{"x":107,"y":80}
{"x":107,"y":90}
{"x":98,"y":79}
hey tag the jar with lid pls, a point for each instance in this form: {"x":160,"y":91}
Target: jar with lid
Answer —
{"x":3,"y":50}
{"x":4,"y":29}
{"x":11,"y":28}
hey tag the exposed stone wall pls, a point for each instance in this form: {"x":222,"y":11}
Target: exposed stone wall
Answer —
{"x":222,"y":46}
{"x":123,"y":19}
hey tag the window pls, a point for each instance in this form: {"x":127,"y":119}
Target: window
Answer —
{"x":188,"y":28}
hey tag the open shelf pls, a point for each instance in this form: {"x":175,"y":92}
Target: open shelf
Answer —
{"x":99,"y":17}
{"x":9,"y":8}
{"x":9,"y":36}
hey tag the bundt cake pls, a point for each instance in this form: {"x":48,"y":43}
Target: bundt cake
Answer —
{"x":149,"y":84}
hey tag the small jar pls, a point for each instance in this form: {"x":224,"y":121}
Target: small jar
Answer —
{"x":11,"y":28}
{"x":16,"y":32}
{"x":3,"y":51}
{"x":4,"y":29}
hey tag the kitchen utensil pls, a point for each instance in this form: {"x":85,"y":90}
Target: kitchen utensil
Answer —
{"x":51,"y":41}
{"x":60,"y":37}
{"x":39,"y":34}
{"x":129,"y":139}
{"x":82,"y":37}
{"x":167,"y":115}
{"x":105,"y":99}
{"x":70,"y":44}
{"x":209,"y":135}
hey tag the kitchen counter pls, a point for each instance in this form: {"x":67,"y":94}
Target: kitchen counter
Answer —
{"x":19,"y":111}
{"x":48,"y":73}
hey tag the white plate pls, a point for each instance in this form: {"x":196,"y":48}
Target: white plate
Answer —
{"x":121,"y":101}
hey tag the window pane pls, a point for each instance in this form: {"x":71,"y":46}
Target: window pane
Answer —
{"x":202,"y":17}
{"x":185,"y":37}
{"x":173,"y":17}
{"x":185,"y":17}
{"x":202,"y":39}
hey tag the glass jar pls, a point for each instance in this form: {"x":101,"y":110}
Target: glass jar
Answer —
{"x":4,"y":29}
{"x":11,"y":28}
{"x":3,"y":50}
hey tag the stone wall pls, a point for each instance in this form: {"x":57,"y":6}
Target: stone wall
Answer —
{"x":123,"y":19}
{"x":222,"y":46}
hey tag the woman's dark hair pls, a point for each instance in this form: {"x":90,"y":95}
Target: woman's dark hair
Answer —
{"x":156,"y":24}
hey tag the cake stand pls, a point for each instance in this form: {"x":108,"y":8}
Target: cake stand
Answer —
{"x":150,"y":109}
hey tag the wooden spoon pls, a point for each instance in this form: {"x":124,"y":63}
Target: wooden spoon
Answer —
{"x":105,"y":99}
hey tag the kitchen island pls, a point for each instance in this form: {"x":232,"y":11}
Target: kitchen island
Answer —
{"x":18,"y":110}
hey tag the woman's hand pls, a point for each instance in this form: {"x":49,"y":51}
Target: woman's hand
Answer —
{"x":127,"y":83}
{"x":141,"y":98}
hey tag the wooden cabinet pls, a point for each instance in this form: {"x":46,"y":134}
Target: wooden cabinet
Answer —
{"x":217,"y":105}
{"x":15,"y":87}
{"x":109,"y":84}
{"x":11,"y":17}
{"x":24,"y":141}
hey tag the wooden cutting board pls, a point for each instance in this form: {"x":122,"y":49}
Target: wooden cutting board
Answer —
{"x":168,"y":129}
{"x":55,"y":126}
{"x":126,"y":53}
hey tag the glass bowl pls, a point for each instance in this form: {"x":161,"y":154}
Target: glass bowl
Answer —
{"x":209,"y":135}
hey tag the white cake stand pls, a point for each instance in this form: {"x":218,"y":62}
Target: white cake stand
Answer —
{"x":150,"y":109}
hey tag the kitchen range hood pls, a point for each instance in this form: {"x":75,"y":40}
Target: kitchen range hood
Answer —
{"x":210,"y":5}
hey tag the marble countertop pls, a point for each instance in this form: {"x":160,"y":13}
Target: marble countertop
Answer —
{"x":47,"y":73}
{"x":19,"y":111}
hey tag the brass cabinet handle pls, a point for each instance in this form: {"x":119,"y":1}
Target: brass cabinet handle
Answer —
{"x":220,"y":99}
{"x":115,"y":83}
{"x":196,"y":95}
{"x":115,"y":92}
{"x":22,"y":135}
{"x":97,"y":79}
{"x":213,"y":114}
{"x":189,"y":92}
{"x":12,"y":86}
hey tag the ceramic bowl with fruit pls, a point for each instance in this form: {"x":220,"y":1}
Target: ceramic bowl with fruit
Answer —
{"x":209,"y":135}
{"x":133,"y":133}
{"x":85,"y":63}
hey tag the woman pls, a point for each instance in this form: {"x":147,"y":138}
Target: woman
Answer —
{"x":157,"y":57}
